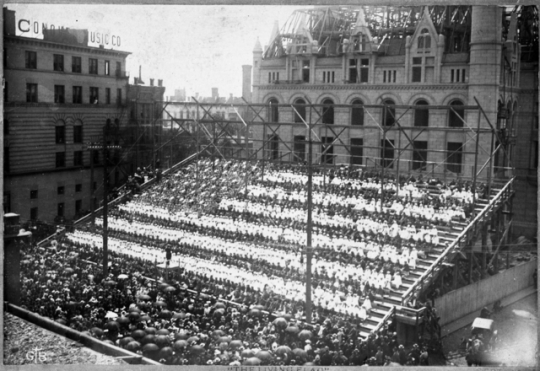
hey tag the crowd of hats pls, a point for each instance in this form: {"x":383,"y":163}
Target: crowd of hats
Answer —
{"x":238,"y":233}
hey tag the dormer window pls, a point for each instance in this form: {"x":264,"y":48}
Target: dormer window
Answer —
{"x":424,"y":41}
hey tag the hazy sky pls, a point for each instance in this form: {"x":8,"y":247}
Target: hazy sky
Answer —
{"x":196,"y":47}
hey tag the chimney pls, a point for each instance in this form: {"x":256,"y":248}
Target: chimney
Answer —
{"x":160,"y":83}
{"x":140,"y":78}
{"x":215,"y":93}
{"x":9,"y":22}
{"x":246,"y":82}
{"x":151,"y":82}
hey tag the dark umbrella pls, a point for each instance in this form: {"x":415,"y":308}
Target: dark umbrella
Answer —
{"x":160,"y":304}
{"x":219,"y":304}
{"x":304,"y":335}
{"x":265,"y":356}
{"x":219,"y":312}
{"x":280,"y":323}
{"x":292,"y":330}
{"x":181,"y":335}
{"x":122,"y":320}
{"x":235,"y":344}
{"x":134,"y":316}
{"x":253,"y":361}
{"x":255,"y":312}
{"x":163,"y":340}
{"x":196,"y":349}
{"x":193,"y":339}
{"x":283,"y":349}
{"x":148,"y":339}
{"x":133,"y":346}
{"x":165,"y":313}
{"x":223,"y":346}
{"x":145,"y":318}
{"x":145,"y":297}
{"x":163,"y":331}
{"x":247,"y":353}
{"x":169,"y":289}
{"x":165,"y":352}
{"x":150,"y":348}
{"x":125,"y":341}
{"x":225,"y":339}
{"x":150,"y":330}
{"x":180,"y":344}
{"x":138,"y":334}
{"x":300,"y":353}
{"x":97,"y":331}
{"x":219,"y":332}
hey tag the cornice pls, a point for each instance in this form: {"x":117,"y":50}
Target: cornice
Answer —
{"x":460,"y":86}
{"x":53,"y":45}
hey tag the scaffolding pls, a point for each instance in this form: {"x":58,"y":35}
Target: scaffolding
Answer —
{"x":257,"y":135}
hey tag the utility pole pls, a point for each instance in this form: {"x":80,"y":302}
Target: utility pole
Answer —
{"x":309,"y":226}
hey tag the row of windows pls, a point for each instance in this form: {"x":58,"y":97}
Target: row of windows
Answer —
{"x":34,"y":193}
{"x":34,"y":211}
{"x":60,"y":131}
{"x":76,"y":64}
{"x":77,"y":158}
{"x":77,"y":94}
{"x":454,"y":152}
{"x":456,"y":114}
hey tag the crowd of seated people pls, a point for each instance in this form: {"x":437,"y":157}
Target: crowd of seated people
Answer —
{"x":183,"y":323}
{"x":240,"y":234}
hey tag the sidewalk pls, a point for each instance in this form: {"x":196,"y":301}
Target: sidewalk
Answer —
{"x":468,"y":319}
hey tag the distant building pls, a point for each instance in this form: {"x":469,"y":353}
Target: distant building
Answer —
{"x":58,"y":95}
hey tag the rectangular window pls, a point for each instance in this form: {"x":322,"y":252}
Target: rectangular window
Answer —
{"x":78,"y":158}
{"x":30,"y":59}
{"x":451,"y":75}
{"x":327,"y":150}
{"x":94,"y":95}
{"x":269,"y":77}
{"x":77,"y":134}
{"x":58,"y":62}
{"x":305,"y":71}
{"x":60,"y":211}
{"x":60,"y":134}
{"x":353,"y":71}
{"x":384,"y":76}
{"x":60,"y":190}
{"x":417,"y":74}
{"x":77,"y":94}
{"x":107,"y":68}
{"x":299,"y":148}
{"x":78,"y":206}
{"x":31,"y":93}
{"x":60,"y":159}
{"x":119,"y":97}
{"x":357,"y":151}
{"x":33,"y":213}
{"x":394,"y":76}
{"x":419,"y":155}
{"x":76,"y":64}
{"x":59,"y":94}
{"x":454,"y":157}
{"x":463,"y":79}
{"x":118,"y":69}
{"x":78,"y":187}
{"x":33,"y":194}
{"x":364,"y":70}
{"x":108,"y":95}
{"x":95,"y":156}
{"x":387,"y":153}
{"x":93,"y":66}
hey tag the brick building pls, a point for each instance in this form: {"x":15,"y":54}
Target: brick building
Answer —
{"x":58,"y":95}
{"x":359,"y":69}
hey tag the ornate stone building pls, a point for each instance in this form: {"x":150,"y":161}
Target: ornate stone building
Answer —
{"x":401,"y":87}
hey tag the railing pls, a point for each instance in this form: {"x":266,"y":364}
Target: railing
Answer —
{"x":464,"y":237}
{"x":386,"y":317}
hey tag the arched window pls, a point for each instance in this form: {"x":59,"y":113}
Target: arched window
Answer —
{"x":421,"y":116}
{"x":424,"y":39}
{"x":456,"y":115}
{"x":389,"y":112}
{"x":273,"y":110}
{"x":300,"y":107}
{"x":328,"y":111}
{"x":357,"y":112}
